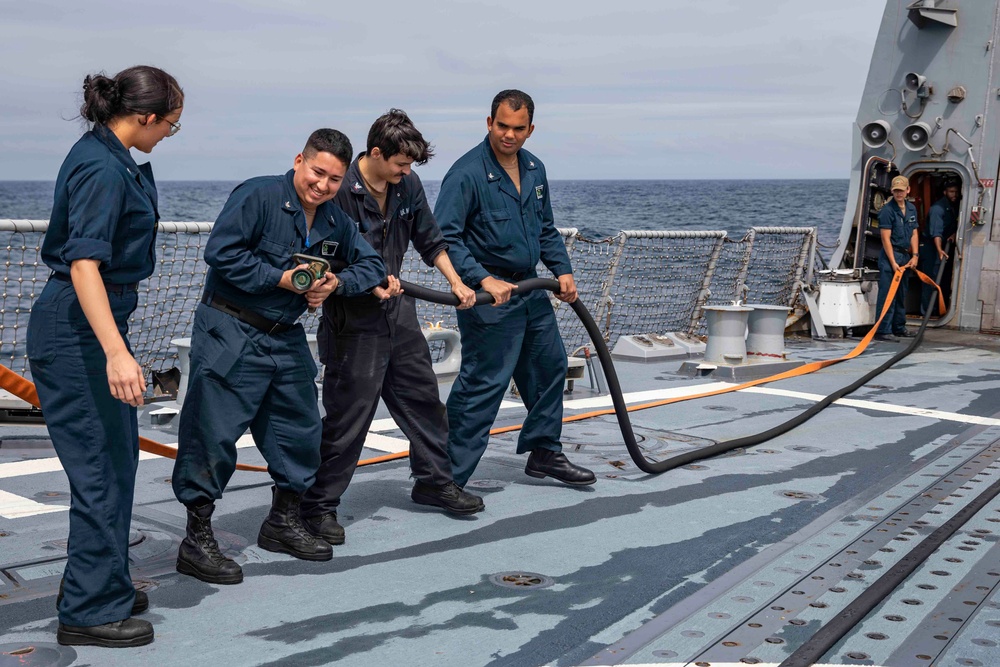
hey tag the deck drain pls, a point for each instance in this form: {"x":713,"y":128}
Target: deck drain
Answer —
{"x":36,"y":655}
{"x":49,"y":496}
{"x":798,"y":495}
{"x":145,"y":585}
{"x":521,"y":580}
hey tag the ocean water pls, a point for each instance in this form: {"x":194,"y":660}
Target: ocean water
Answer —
{"x":596,"y":208}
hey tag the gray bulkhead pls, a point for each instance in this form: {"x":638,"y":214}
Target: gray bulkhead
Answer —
{"x":935,"y":63}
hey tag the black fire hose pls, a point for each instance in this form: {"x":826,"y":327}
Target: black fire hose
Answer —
{"x":615,"y":389}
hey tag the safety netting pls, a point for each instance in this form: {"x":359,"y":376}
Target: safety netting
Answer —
{"x":635,"y":282}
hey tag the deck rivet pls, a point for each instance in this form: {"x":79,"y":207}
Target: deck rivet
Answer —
{"x":521,"y":580}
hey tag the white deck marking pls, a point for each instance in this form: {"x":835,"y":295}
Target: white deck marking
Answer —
{"x":388,"y":424}
{"x":394,"y":445}
{"x":882,"y":407}
{"x":16,"y":507}
{"x":384,"y":443}
{"x":645,"y":396}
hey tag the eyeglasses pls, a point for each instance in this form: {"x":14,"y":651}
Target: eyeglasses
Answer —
{"x":174,"y":127}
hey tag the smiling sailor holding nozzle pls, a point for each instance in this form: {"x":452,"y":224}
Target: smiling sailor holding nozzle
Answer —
{"x":250,"y":364}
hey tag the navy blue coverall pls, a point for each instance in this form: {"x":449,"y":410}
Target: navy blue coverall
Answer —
{"x":104,"y":209}
{"x":902,"y":226}
{"x":243,"y":375}
{"x":491,"y":229}
{"x":942,"y":223}
{"x":373,"y":348}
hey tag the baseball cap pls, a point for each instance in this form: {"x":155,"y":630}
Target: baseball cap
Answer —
{"x":900,"y":183}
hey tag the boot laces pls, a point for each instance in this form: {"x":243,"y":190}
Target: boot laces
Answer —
{"x":207,"y":541}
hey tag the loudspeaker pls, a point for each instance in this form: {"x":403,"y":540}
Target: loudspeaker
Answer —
{"x":914,"y":81}
{"x":875,"y":133}
{"x":916,"y":136}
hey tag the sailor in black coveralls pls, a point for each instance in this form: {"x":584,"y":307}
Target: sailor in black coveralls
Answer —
{"x":372,"y":344}
{"x":250,"y":364}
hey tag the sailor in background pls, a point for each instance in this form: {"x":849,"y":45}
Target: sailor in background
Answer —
{"x":371,"y":345}
{"x":942,"y":225}
{"x":99,"y":245}
{"x":496,"y":216}
{"x":897,"y":223}
{"x":250,"y":364}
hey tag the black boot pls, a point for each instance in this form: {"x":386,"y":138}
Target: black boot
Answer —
{"x":547,"y":463}
{"x":284,"y":533}
{"x":325,"y":526}
{"x":450,"y":497}
{"x":140,"y":605}
{"x":119,"y":634}
{"x":199,"y":554}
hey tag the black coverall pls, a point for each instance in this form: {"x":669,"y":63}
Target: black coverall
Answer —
{"x":375,"y":348}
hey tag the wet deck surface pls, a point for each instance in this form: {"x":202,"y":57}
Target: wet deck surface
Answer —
{"x":637,"y":569}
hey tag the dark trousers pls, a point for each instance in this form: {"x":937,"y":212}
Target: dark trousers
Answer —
{"x":370,"y":351}
{"x":244,"y":378}
{"x":96,"y":437}
{"x":894,"y":320}
{"x":521,"y":340}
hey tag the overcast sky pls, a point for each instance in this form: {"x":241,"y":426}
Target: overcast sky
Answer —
{"x":658,"y":89}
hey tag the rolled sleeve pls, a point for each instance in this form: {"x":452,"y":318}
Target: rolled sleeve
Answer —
{"x":935,"y":222}
{"x":96,"y":201}
{"x":228,"y":249}
{"x":365,"y":268}
{"x":427,"y":237}
{"x":455,"y":203}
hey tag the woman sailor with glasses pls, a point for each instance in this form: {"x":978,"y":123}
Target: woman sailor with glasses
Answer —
{"x":99,"y":245}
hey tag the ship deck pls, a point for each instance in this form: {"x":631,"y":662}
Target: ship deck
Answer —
{"x":735,"y":559}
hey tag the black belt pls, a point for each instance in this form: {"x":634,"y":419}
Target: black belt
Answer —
{"x":905,"y":251}
{"x":245,"y":315}
{"x":506,"y":273}
{"x":113,"y":288}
